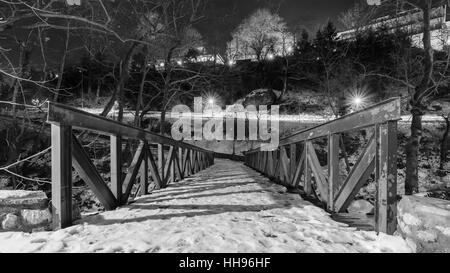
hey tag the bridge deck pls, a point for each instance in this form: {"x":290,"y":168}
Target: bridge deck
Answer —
{"x":226,"y":208}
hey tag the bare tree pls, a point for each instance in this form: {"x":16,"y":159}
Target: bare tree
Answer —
{"x":260,"y":35}
{"x":171,"y":35}
{"x":421,"y":90}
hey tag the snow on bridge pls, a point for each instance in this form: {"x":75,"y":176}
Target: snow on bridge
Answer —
{"x":225,"y":208}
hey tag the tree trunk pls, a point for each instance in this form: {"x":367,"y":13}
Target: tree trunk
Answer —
{"x":417,"y":107}
{"x":140,"y":100}
{"x":412,"y":154}
{"x":124,"y":74}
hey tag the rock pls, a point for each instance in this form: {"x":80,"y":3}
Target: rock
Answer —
{"x":360,"y":206}
{"x":36,"y":217}
{"x":11,"y":222}
{"x":425,"y":223}
{"x":23,"y":199}
{"x":260,"y":97}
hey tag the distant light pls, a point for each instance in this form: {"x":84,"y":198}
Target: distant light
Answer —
{"x":270,"y":56}
{"x":290,"y":49}
{"x":359,"y":98}
{"x":162,"y":64}
{"x":57,"y":76}
{"x":357,"y":101}
{"x":179,"y":62}
{"x":230,"y":62}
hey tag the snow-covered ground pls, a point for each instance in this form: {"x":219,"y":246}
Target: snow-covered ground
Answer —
{"x":226,"y":208}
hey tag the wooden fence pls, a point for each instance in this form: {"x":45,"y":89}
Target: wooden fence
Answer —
{"x":296,"y":164}
{"x":182,"y":160}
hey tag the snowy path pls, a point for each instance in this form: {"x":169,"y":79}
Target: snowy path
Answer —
{"x":226,"y":208}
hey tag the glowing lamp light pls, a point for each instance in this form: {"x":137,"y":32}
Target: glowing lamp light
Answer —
{"x":357,"y":101}
{"x":211,"y":101}
{"x":270,"y":56}
{"x":359,"y":98}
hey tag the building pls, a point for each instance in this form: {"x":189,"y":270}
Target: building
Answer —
{"x":409,"y":21}
{"x":200,"y":56}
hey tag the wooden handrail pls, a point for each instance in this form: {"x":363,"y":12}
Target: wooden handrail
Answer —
{"x":389,"y":110}
{"x":63,"y":114}
{"x":183,"y":160}
{"x":287,"y":167}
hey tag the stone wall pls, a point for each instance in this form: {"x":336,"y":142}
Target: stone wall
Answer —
{"x":425,"y":223}
{"x":26,"y":211}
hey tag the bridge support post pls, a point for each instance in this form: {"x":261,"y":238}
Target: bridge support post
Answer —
{"x":61,"y":137}
{"x":144,"y":170}
{"x":333,"y":168}
{"x":386,"y":174}
{"x":116,"y":167}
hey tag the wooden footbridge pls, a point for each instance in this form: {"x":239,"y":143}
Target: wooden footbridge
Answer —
{"x":295,"y":164}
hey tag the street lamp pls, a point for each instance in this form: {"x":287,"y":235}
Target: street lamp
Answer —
{"x":357,"y":101}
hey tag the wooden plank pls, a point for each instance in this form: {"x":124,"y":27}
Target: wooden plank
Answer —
{"x":333,"y":168}
{"x":299,"y":170}
{"x":307,"y":183}
{"x":316,"y":168}
{"x":276,"y":173}
{"x":154,"y":170}
{"x":386,"y":201}
{"x":265,"y":164}
{"x":180,"y":163}
{"x":60,"y":113}
{"x":357,"y":178}
{"x":61,"y":137}
{"x":186,"y":167}
{"x":161,"y":163}
{"x":284,"y":171}
{"x":389,"y":110}
{"x":87,"y":171}
{"x":167,"y":165}
{"x":293,"y":161}
{"x":143,"y":172}
{"x":116,"y":167}
{"x":270,"y":166}
{"x":132,"y":173}
{"x":178,"y":169}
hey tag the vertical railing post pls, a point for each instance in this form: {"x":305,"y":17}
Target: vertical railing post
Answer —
{"x":144,"y":170}
{"x":116,"y":167}
{"x":293,"y":161}
{"x":180,"y":162}
{"x":333,"y":168}
{"x":386,"y":176}
{"x":172,"y":166}
{"x":61,"y":138}
{"x":161,"y":162}
{"x":307,"y":186}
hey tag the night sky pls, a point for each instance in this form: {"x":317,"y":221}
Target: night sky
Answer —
{"x":223,"y":16}
{"x":220,"y":18}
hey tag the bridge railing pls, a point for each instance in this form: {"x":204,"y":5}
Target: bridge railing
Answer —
{"x":296,"y":163}
{"x":182,"y":160}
